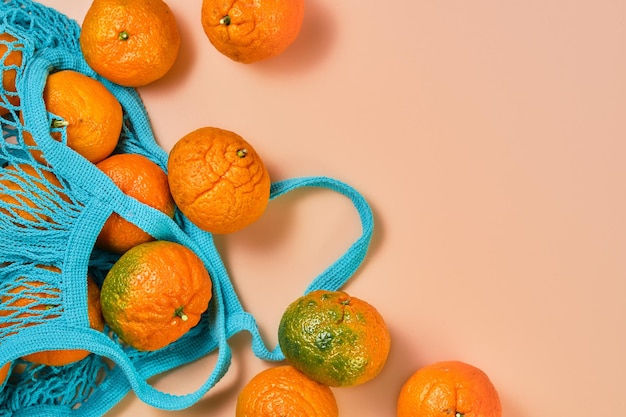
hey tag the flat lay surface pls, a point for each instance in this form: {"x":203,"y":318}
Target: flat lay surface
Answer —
{"x":488,"y":138}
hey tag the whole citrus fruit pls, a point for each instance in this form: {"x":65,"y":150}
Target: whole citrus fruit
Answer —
{"x":155,"y":293}
{"x":130,"y":42}
{"x":218,"y":180}
{"x":449,"y":388}
{"x":91,"y":114}
{"x":248,"y":31}
{"x":283,"y":391}
{"x":333,"y":338}
{"x":29,"y":193}
{"x":67,"y":356}
{"x":140,"y":178}
{"x":10,"y":58}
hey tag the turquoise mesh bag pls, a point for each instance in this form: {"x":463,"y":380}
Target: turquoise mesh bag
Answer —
{"x":59,"y":232}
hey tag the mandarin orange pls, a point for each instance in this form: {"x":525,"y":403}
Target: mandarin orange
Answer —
{"x":218,"y":180}
{"x":249,"y":31}
{"x":140,"y":178}
{"x":333,"y":338}
{"x":449,"y":389}
{"x":130,"y":42}
{"x":283,"y":391}
{"x":90,"y":113}
{"x":155,"y":293}
{"x":12,"y":57}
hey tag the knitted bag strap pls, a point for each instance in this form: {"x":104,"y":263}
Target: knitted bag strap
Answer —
{"x":335,"y":275}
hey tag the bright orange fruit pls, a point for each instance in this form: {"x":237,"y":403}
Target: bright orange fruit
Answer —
{"x":248,"y":31}
{"x":91,"y":114}
{"x":13,"y":58}
{"x":140,"y":178}
{"x":449,"y":389}
{"x":130,"y":42}
{"x":218,"y":180}
{"x":333,"y":338}
{"x":283,"y":391}
{"x":4,"y":372}
{"x":155,"y":293}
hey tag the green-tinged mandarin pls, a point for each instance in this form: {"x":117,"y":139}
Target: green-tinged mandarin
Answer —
{"x":333,"y":338}
{"x":154,"y":294}
{"x":115,"y":289}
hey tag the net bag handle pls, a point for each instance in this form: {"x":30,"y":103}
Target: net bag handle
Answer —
{"x":334,"y":276}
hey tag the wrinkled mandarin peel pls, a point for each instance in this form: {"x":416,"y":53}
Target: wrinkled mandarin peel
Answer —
{"x":284,"y":391}
{"x":249,"y":31}
{"x":218,"y":180}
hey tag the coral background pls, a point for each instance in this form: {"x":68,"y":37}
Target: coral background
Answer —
{"x":488,"y":137}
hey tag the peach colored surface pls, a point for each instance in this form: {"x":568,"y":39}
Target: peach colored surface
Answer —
{"x":489,"y":138}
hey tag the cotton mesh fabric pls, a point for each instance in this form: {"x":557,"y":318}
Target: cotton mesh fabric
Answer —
{"x":50,"y":216}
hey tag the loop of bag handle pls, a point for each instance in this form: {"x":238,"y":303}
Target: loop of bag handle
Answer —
{"x":333,"y":277}
{"x":338,"y":273}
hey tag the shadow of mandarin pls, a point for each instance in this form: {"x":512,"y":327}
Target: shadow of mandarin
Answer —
{"x":314,"y":42}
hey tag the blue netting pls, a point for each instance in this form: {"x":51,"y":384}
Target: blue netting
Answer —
{"x":50,"y":215}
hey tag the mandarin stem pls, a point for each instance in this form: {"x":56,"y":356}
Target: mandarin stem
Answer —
{"x":242,"y":152}
{"x":59,"y":123}
{"x":225,"y":20}
{"x":123,"y":36}
{"x":180,"y":313}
